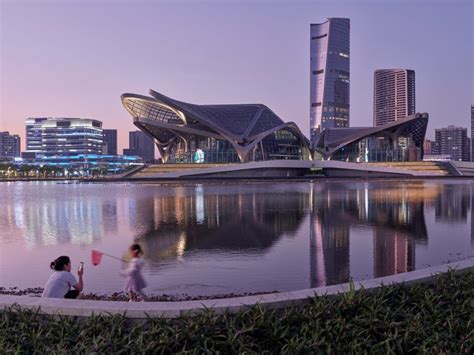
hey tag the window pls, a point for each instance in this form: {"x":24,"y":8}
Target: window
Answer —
{"x":318,"y":71}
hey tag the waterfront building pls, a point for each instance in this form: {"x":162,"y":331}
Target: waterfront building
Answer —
{"x":394,"y":95}
{"x":85,"y":164}
{"x":110,"y":141}
{"x":472,"y":132}
{"x":9,"y":145}
{"x":454,"y":141}
{"x":401,"y":140}
{"x":59,"y":136}
{"x":142,"y":145}
{"x":428,"y":146}
{"x":189,"y":133}
{"x":329,"y":75}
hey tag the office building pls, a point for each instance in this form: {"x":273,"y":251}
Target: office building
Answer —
{"x":329,"y":75}
{"x":453,"y":141}
{"x":142,"y":145}
{"x":394,"y":95}
{"x":9,"y":145}
{"x":190,"y":133}
{"x":472,"y":132}
{"x":52,"y":136}
{"x":110,"y":141}
{"x":428,"y":146}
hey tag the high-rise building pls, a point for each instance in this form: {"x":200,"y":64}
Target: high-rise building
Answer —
{"x":453,"y":141}
{"x":472,"y":132}
{"x":52,"y":136}
{"x":428,"y":146}
{"x":9,"y":145}
{"x":329,"y":80}
{"x":110,"y":141}
{"x":394,"y":95}
{"x":142,"y":145}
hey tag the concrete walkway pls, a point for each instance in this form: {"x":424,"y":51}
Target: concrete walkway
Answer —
{"x":143,"y":310}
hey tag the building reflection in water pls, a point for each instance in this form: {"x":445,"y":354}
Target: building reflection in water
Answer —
{"x":251,"y":220}
{"x":395,"y":214}
{"x":453,"y":204}
{"x":174,"y":222}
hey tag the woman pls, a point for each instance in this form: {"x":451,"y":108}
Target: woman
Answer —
{"x":60,"y":282}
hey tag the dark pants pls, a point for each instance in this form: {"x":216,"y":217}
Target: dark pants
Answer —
{"x":72,"y":294}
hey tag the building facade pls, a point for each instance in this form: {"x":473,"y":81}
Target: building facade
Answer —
{"x":428,"y":146}
{"x":394,"y":95}
{"x":52,"y":136}
{"x":329,"y":75}
{"x":454,"y":141}
{"x":110,"y":141}
{"x":189,"y":133}
{"x":140,"y":144}
{"x":397,"y":141}
{"x":9,"y":145}
{"x":472,"y":132}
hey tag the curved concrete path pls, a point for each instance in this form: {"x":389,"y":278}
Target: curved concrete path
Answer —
{"x":142,"y":310}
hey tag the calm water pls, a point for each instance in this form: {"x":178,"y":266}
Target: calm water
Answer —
{"x":214,"y":238}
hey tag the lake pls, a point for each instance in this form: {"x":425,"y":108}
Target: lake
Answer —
{"x":234,"y":237}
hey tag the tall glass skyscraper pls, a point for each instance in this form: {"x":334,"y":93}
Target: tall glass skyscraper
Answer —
{"x":330,"y":68}
{"x":51,"y":136}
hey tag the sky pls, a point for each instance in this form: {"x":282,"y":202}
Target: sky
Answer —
{"x":74,"y":58}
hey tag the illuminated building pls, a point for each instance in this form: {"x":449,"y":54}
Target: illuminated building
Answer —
{"x":51,"y":136}
{"x":329,"y":80}
{"x":189,"y":133}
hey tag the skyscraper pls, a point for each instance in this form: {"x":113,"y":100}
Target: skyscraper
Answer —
{"x":472,"y":132}
{"x":453,"y":141}
{"x":329,"y":80}
{"x":9,"y":145}
{"x":142,"y":145}
{"x":52,"y":136}
{"x":394,"y":95}
{"x":110,"y":141}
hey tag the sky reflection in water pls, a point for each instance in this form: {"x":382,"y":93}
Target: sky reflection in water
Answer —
{"x":231,"y":237}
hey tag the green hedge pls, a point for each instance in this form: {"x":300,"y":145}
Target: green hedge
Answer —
{"x":426,"y":318}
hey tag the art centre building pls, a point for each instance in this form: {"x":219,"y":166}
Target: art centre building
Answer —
{"x":190,"y":133}
{"x":397,"y":141}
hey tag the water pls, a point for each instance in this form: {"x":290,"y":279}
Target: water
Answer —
{"x":220,"y":238}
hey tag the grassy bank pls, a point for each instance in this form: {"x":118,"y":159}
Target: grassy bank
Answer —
{"x":436,"y":317}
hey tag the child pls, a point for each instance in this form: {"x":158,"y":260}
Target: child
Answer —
{"x":134,"y":282}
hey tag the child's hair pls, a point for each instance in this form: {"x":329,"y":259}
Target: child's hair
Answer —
{"x":136,"y":247}
{"x":59,"y":263}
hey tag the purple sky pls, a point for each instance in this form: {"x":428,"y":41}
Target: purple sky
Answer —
{"x":75,"y":58}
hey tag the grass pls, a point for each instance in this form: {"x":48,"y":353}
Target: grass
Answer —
{"x":436,"y":317}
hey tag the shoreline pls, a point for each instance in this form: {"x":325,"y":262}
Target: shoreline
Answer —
{"x":122,"y":296}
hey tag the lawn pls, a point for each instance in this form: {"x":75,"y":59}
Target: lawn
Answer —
{"x":435,"y":317}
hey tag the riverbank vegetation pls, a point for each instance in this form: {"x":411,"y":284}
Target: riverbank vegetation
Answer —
{"x":435,"y":317}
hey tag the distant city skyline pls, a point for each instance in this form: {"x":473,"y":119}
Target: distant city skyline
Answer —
{"x":75,"y":58}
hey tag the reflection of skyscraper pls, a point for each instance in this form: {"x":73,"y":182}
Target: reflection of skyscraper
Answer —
{"x":452,"y":203}
{"x":394,"y":252}
{"x":329,"y":83}
{"x":329,"y":240}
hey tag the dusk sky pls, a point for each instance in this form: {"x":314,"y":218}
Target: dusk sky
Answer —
{"x":75,"y":58}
